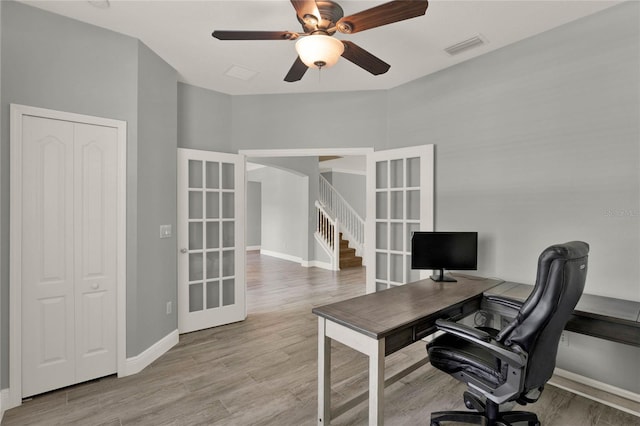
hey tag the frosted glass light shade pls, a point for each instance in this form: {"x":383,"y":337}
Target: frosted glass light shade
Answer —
{"x":319,"y":51}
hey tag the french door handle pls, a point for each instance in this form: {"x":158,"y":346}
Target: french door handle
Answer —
{"x":183,"y":251}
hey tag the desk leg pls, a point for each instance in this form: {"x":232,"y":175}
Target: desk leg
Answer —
{"x":376,"y":384}
{"x":324,"y":374}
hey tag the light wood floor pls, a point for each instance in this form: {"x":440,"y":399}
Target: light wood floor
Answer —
{"x":262,"y":371}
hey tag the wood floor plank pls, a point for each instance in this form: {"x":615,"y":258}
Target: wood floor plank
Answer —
{"x":262,"y":371}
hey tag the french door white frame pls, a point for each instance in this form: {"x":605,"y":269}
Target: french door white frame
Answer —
{"x":17,"y":112}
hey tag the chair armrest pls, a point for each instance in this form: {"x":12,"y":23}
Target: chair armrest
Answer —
{"x":515,"y":359}
{"x":507,"y":302}
{"x":449,"y":326}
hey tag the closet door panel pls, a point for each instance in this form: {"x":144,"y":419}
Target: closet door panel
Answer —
{"x":48,"y":335}
{"x":95,"y":199}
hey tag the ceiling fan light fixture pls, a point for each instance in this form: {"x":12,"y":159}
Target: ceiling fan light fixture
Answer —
{"x":319,"y":51}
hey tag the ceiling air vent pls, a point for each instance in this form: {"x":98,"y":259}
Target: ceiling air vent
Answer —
{"x":464,"y":45}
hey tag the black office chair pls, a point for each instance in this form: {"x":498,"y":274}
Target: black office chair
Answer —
{"x":512,"y":364}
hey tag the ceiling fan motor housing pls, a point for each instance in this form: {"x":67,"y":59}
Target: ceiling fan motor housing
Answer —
{"x":330,"y":13}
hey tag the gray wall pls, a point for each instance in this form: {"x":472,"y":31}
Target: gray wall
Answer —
{"x":310,"y":120}
{"x":54,"y":62}
{"x":254,"y":214}
{"x":284,"y":211}
{"x":156,"y":263}
{"x":204,"y":119}
{"x":535,"y":143}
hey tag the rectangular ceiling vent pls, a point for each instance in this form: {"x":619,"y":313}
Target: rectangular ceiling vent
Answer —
{"x":465,"y":45}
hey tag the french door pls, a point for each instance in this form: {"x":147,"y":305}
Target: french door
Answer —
{"x":399,"y":202}
{"x":211,"y":242}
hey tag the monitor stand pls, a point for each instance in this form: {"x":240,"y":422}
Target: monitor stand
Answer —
{"x":439,"y":276}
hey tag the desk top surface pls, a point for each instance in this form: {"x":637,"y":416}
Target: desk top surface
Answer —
{"x":381,"y":313}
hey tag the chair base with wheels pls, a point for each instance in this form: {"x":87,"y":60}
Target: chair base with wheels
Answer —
{"x":486,"y":414}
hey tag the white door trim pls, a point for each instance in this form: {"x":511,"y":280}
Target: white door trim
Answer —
{"x":15,"y":255}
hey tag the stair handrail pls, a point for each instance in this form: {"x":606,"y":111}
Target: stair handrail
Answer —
{"x":328,"y":234}
{"x":351,"y":224}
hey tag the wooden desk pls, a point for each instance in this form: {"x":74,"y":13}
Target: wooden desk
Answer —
{"x":381,"y":323}
{"x":598,"y":316}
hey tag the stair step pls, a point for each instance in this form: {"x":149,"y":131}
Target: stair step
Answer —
{"x":348,"y":258}
{"x":350,"y":262}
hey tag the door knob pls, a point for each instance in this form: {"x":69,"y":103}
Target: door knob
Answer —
{"x":184,"y":250}
{"x":95,"y":286}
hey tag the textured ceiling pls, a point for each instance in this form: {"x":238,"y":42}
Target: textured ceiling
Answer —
{"x":180,"y":32}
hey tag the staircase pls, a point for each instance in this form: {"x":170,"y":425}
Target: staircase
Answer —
{"x":333,"y":217}
{"x":348,"y":258}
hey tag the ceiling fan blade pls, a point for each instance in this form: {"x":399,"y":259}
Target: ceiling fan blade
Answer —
{"x":387,"y":13}
{"x":364,"y":59}
{"x":297,"y":71}
{"x":254,"y":35}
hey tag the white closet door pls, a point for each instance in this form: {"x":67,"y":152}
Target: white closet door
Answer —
{"x":69,"y":176}
{"x":48,"y":322}
{"x":95,"y":196}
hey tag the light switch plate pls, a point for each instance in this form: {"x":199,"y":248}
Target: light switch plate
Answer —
{"x":165,"y":231}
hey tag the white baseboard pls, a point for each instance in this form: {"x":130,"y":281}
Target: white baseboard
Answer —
{"x":304,"y":263}
{"x":253,"y":248}
{"x":598,"y":385}
{"x":620,"y":399}
{"x":4,"y":402}
{"x":282,"y":256}
{"x":138,"y":363}
{"x":317,"y":264}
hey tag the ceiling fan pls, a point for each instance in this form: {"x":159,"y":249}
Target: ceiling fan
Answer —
{"x":320,"y":20}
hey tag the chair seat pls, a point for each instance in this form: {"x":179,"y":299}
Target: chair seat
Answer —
{"x":452,"y":354}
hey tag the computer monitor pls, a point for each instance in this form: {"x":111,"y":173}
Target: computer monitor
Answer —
{"x":444,"y":250}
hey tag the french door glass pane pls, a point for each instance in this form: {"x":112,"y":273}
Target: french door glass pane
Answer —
{"x":413,"y":172}
{"x":381,"y":266}
{"x":195,"y":174}
{"x":195,"y":205}
{"x":195,"y":236}
{"x":396,"y":237}
{"x":228,"y":292}
{"x":228,"y":234}
{"x":397,"y":205}
{"x":213,"y":294}
{"x":213,"y":264}
{"x":195,"y":297}
{"x":228,"y":263}
{"x":396,"y":268}
{"x":228,"y":175}
{"x":195,"y":266}
{"x":381,"y":174}
{"x":397,"y":173}
{"x":228,"y":204}
{"x":213,"y":205}
{"x":213,"y":175}
{"x":213,"y":235}
{"x":413,"y":205}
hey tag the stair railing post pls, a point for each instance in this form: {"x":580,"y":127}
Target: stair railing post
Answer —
{"x":336,"y":246}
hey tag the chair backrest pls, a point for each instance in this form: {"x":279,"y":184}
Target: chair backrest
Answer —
{"x":562,"y":271}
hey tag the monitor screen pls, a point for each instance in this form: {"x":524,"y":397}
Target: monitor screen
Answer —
{"x":444,"y":250}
